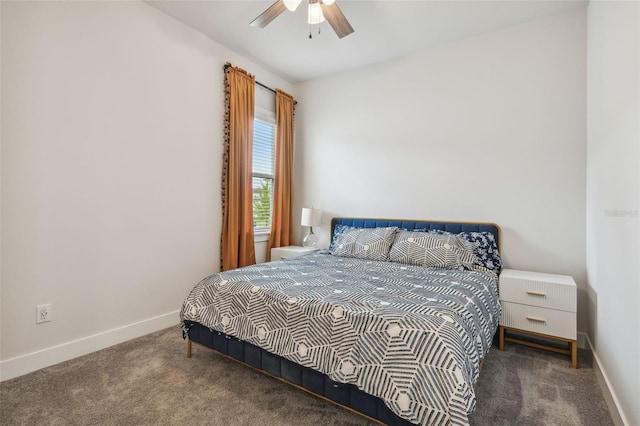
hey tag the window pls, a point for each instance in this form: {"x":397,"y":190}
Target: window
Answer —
{"x":264,"y":141}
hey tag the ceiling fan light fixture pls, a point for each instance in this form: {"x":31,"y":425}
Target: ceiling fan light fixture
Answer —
{"x":315,"y":13}
{"x":318,"y":11}
{"x":292,"y":5}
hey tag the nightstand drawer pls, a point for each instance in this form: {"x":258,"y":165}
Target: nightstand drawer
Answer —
{"x":539,"y":320}
{"x":542,"y":290}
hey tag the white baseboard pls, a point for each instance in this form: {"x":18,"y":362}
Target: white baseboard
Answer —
{"x":617,"y":415}
{"x":23,"y":364}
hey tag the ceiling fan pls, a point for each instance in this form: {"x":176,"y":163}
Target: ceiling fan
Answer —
{"x":319,"y":10}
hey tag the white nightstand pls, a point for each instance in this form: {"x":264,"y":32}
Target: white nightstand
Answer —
{"x":539,"y":304}
{"x":279,"y":253}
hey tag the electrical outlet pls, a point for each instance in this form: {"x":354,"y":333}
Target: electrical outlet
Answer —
{"x":44,"y":313}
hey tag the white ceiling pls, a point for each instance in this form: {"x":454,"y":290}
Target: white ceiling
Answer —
{"x":383,"y":29}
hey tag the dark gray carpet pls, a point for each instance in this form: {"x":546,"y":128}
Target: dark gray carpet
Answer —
{"x":149,"y":381}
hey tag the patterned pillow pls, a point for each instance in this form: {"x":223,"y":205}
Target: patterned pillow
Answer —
{"x":434,"y":250}
{"x":337,"y":230}
{"x":365,"y":243}
{"x":486,"y":250}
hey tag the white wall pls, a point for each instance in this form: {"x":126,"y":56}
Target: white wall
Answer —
{"x":112,"y":135}
{"x":490,"y":128}
{"x":613,"y":193}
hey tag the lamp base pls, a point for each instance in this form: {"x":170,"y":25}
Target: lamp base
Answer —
{"x":310,"y":240}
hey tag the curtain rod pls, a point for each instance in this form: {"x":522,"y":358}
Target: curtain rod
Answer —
{"x":266,"y":87}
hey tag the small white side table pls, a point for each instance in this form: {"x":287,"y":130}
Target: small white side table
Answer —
{"x":279,"y":253}
{"x":539,"y":304}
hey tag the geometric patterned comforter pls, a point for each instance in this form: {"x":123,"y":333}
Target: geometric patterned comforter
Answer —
{"x":412,"y":336}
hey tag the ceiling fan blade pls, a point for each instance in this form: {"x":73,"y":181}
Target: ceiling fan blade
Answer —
{"x":269,"y":15}
{"x":337,"y":20}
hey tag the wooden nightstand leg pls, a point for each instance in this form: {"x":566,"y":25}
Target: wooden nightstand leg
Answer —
{"x":501,"y":338}
{"x":574,"y":354}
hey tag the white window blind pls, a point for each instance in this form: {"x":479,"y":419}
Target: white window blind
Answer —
{"x":264,"y":136}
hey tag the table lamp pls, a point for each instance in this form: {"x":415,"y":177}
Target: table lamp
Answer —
{"x":310,"y":218}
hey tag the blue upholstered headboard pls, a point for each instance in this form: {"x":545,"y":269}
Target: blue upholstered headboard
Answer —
{"x":453,"y":227}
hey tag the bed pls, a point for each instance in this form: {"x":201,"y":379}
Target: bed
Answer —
{"x":392,"y":322}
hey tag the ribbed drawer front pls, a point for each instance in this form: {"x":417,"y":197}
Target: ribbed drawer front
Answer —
{"x":539,"y":320}
{"x":542,"y":290}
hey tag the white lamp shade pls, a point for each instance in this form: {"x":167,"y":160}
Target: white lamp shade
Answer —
{"x":315,"y":14}
{"x":328,"y":2}
{"x":310,"y":217}
{"x":291,"y":4}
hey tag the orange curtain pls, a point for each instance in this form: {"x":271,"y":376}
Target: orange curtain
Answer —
{"x":282,"y":216}
{"x":237,"y":245}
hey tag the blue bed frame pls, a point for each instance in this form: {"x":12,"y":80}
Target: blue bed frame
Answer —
{"x":345,"y":395}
